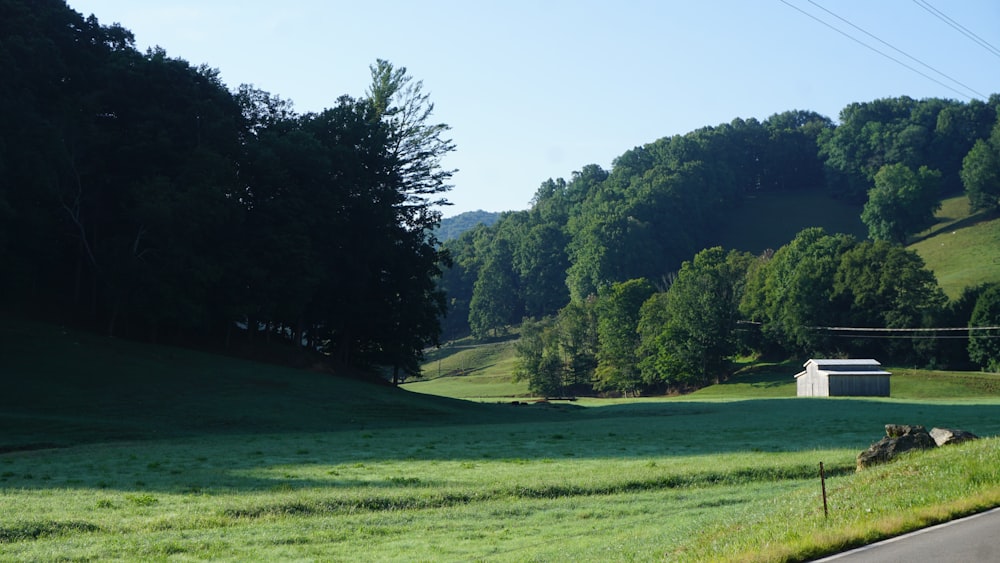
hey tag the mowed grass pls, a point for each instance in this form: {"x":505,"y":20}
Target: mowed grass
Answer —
{"x":725,"y":477}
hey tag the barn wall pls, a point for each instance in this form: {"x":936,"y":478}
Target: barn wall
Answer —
{"x":803,"y":385}
{"x":812,"y":384}
{"x":859,"y":385}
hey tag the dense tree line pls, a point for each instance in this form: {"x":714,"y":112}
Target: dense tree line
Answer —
{"x":650,"y":216}
{"x":140,"y":196}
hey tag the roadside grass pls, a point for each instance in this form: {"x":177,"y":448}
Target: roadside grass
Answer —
{"x":312,"y":466}
{"x":918,"y":490}
{"x":962,"y":249}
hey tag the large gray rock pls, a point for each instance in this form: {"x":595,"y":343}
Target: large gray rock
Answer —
{"x":945,"y":436}
{"x":899,"y":438}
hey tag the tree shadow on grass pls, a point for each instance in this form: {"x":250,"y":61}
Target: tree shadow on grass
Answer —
{"x":971,"y":220}
{"x":623,"y":432}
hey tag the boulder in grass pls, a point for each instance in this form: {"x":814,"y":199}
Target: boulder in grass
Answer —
{"x":945,"y":436}
{"x":899,"y":438}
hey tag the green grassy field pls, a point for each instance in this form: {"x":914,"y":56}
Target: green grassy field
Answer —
{"x":466,"y":370}
{"x":114,"y":450}
{"x":962,"y":250}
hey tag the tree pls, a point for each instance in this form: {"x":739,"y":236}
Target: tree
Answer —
{"x":617,"y":332}
{"x":791,"y":293}
{"x":984,"y":346}
{"x":902,"y":202}
{"x":417,"y":144}
{"x":981,"y":174}
{"x":884,"y":285}
{"x":538,"y":359}
{"x":494,"y":304}
{"x":953,"y":353}
{"x":689,"y":332}
{"x":578,"y":338}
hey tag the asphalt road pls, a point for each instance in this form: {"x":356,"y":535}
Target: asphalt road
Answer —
{"x":975,"y":539}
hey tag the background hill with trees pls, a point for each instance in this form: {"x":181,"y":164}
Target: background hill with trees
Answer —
{"x":141,"y":197}
{"x":627,"y":259}
{"x":453,"y":227}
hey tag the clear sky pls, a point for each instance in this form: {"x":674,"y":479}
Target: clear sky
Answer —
{"x":535,"y":89}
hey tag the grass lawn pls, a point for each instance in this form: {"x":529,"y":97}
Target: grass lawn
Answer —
{"x":216,"y":465}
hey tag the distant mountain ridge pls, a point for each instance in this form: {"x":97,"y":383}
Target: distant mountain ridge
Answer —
{"x":453,"y":227}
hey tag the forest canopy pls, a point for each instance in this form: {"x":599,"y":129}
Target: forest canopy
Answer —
{"x":142,"y":197}
{"x":657,"y":215}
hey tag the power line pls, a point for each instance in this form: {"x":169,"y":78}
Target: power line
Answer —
{"x":879,"y":329}
{"x":912,"y":336}
{"x":907,"y":333}
{"x":958,"y":27}
{"x":933,"y":333}
{"x":905,"y":54}
{"x":863,"y":44}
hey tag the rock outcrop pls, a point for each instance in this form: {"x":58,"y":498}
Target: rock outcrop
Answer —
{"x":898,"y":438}
{"x":901,"y":438}
{"x":945,"y":436}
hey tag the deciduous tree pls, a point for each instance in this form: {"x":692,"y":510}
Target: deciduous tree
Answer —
{"x":902,"y":202}
{"x":984,"y":346}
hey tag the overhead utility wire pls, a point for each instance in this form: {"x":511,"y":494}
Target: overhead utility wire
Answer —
{"x":907,"y":333}
{"x":910,"y":336}
{"x":858,"y":332}
{"x":901,"y":52}
{"x":958,"y":27}
{"x":863,"y":44}
{"x":879,"y":329}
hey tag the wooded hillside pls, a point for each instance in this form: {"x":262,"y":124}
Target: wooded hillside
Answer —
{"x":141,"y":197}
{"x":612,"y":270}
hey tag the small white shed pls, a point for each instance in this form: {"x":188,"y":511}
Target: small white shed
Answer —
{"x":842,"y":378}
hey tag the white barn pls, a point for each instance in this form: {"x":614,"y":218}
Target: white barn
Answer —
{"x":842,"y":378}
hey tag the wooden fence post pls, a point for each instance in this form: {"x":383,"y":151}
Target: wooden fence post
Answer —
{"x":822,"y":480}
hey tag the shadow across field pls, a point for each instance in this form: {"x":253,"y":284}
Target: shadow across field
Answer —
{"x":946,"y":225}
{"x":352,"y":458}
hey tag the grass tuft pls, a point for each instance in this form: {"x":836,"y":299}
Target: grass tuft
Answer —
{"x":39,"y":529}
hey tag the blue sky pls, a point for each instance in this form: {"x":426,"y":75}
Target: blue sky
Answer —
{"x":536,"y":89}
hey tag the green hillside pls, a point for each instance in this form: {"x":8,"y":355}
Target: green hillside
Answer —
{"x":467,"y":370}
{"x":771,"y":219}
{"x":63,"y":386}
{"x":962,"y":249}
{"x":453,"y":227}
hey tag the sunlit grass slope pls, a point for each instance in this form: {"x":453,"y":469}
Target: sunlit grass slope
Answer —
{"x":962,"y":250}
{"x":469,"y":370}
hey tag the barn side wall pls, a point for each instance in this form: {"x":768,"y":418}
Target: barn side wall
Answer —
{"x":859,"y":385}
{"x":812,"y":384}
